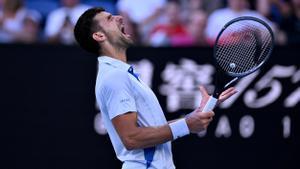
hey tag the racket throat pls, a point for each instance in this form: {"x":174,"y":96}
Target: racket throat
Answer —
{"x":218,"y":91}
{"x":229,"y":84}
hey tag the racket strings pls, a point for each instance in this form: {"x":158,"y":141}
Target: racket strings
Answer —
{"x":243,"y":46}
{"x":249,"y":50}
{"x":227,"y":49}
{"x":266,"y":45}
{"x":231,"y":50}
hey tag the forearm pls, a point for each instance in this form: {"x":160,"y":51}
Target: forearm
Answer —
{"x":144,"y":137}
{"x":136,"y":137}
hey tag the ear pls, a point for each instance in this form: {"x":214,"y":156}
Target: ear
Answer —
{"x":99,"y":36}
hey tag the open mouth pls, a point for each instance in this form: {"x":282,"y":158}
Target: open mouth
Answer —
{"x":123,"y":31}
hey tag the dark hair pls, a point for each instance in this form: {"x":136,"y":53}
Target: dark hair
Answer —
{"x":84,"y":29}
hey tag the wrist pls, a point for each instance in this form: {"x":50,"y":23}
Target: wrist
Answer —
{"x":179,"y":128}
{"x":188,"y":121}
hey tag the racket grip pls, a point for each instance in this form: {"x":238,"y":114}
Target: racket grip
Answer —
{"x":210,"y":105}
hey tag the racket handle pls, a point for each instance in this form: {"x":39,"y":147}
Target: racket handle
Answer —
{"x":210,"y":105}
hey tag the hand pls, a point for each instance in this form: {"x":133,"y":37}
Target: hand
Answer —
{"x":198,"y":121}
{"x":224,"y":95}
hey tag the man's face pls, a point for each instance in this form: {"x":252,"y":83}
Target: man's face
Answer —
{"x":114,"y":29}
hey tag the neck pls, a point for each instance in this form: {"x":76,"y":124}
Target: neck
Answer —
{"x":111,"y":51}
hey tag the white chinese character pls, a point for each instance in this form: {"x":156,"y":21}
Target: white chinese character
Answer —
{"x":181,"y":83}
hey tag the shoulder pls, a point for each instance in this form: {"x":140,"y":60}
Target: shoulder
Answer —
{"x":113,"y":78}
{"x":116,"y":75}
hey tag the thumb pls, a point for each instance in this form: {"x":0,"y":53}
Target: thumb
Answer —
{"x":203,"y":91}
{"x":204,"y":96}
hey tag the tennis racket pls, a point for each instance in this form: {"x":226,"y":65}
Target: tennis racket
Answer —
{"x":242,"y":47}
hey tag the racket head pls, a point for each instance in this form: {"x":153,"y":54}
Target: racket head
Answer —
{"x":243,"y":45}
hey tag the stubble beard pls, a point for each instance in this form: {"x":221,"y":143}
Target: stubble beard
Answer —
{"x":124,"y":42}
{"x":120,"y":43}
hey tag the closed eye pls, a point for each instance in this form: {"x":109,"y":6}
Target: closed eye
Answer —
{"x":109,"y":17}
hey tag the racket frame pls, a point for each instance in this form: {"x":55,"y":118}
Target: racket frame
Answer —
{"x":240,"y":75}
{"x":213,"y":100}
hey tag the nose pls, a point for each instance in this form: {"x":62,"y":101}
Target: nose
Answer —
{"x":119,"y":18}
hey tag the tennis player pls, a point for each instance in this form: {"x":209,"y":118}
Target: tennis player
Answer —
{"x":132,"y":115}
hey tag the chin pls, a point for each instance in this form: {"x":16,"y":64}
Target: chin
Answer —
{"x":130,"y":42}
{"x":126,"y":41}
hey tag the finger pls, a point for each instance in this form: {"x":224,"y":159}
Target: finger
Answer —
{"x":209,"y":119}
{"x":227,"y":95}
{"x":203,"y":91}
{"x":228,"y":91}
{"x":206,"y":121}
{"x":204,"y":96}
{"x":212,"y":113}
{"x":207,"y":115}
{"x":206,"y":126}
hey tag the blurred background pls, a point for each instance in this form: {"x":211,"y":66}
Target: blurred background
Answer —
{"x":50,"y":119}
{"x":151,"y":23}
